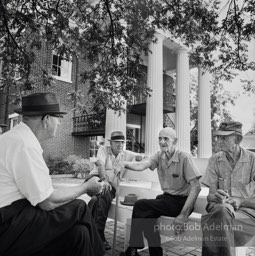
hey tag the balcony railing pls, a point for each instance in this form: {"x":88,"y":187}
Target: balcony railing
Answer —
{"x":133,"y":144}
{"x":89,"y":124}
{"x":168,"y":99}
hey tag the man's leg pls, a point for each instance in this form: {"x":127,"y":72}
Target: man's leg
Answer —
{"x":32,"y":230}
{"x":74,"y":238}
{"x":103,"y":204}
{"x":218,"y":236}
{"x":144,"y":218}
{"x":244,"y":228}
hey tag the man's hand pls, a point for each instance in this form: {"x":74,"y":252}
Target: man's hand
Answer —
{"x":138,"y":158}
{"x":94,"y":186}
{"x":118,"y":168}
{"x":106,"y":186}
{"x":235,"y":202}
{"x":220,"y":196}
{"x":179,"y":222}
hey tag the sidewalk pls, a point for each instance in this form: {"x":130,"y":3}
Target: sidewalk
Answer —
{"x":171,"y":248}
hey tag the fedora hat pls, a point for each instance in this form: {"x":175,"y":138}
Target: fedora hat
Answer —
{"x":40,"y":104}
{"x":228,"y":128}
{"x":117,"y":136}
{"x":129,"y":199}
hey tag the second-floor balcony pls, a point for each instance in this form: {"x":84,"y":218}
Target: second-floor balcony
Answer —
{"x":89,"y":125}
{"x":139,"y":104}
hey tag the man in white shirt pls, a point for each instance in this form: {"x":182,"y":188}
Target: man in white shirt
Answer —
{"x":35,"y":218}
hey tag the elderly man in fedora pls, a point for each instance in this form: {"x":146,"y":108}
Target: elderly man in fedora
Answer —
{"x":179,"y":180}
{"x":230,"y":176}
{"x":107,"y":158}
{"x":2,"y":126}
{"x":35,"y":218}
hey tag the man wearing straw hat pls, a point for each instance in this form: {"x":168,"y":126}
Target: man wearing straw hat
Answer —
{"x":179,"y":180}
{"x":35,"y":218}
{"x":107,"y":158}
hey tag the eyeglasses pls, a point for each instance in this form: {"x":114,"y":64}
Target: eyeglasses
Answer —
{"x":224,"y":137}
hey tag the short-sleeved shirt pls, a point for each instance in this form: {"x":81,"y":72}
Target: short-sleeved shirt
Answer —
{"x":238,"y":181}
{"x":175,"y":174}
{"x":106,"y":156}
{"x":23,"y":171}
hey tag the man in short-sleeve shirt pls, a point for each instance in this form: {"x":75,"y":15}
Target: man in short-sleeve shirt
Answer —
{"x":230,"y":176}
{"x":179,"y":180}
{"x":107,"y":158}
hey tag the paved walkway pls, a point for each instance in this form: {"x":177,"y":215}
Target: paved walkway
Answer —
{"x":171,"y":248}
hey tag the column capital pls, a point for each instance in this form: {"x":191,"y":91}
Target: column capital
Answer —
{"x":159,"y":36}
{"x":182,"y":50}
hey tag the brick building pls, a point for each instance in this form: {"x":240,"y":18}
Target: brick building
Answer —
{"x":167,"y":67}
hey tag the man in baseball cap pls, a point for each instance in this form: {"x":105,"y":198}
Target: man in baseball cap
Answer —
{"x":230,"y":176}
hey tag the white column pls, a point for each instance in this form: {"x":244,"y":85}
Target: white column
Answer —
{"x":154,"y":105}
{"x":204,"y":115}
{"x":114,"y":122}
{"x":182,"y":101}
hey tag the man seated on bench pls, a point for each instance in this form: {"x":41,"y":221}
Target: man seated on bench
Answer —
{"x":179,"y":180}
{"x":35,"y":218}
{"x":230,"y":176}
{"x":107,"y":158}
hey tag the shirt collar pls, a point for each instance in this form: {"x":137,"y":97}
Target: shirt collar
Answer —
{"x":109,"y":151}
{"x":32,"y":138}
{"x":174,"y":158}
{"x":244,"y":157}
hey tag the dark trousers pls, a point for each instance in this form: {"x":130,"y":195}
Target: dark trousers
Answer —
{"x":68,"y":230}
{"x":144,"y":218}
{"x":100,"y":205}
{"x":223,"y":229}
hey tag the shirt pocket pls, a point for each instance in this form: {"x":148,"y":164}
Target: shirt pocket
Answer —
{"x":247,"y":190}
{"x":171,"y":180}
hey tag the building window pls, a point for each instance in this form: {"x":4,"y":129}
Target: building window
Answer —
{"x":14,"y":119}
{"x":95,"y":143}
{"x":61,"y":68}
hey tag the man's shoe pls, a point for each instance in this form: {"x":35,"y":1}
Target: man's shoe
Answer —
{"x":107,"y":246}
{"x":130,"y":252}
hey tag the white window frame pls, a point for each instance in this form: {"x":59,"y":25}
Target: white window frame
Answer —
{"x":12,"y":118}
{"x":65,"y":67}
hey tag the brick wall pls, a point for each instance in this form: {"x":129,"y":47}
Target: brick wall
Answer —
{"x":64,"y":143}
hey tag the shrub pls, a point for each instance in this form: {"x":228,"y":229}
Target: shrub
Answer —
{"x":57,"y":165}
{"x":80,"y":165}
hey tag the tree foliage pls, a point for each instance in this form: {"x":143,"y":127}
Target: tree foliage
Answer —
{"x":114,"y":34}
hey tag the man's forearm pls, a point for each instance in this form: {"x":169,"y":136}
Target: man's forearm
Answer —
{"x":62,"y":196}
{"x":191,"y":200}
{"x":248,"y":203}
{"x":101,"y":170}
{"x":137,"y":166}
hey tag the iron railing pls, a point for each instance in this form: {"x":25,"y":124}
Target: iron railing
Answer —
{"x":168,"y":99}
{"x":88,"y":123}
{"x":167,"y":121}
{"x":133,"y":144}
